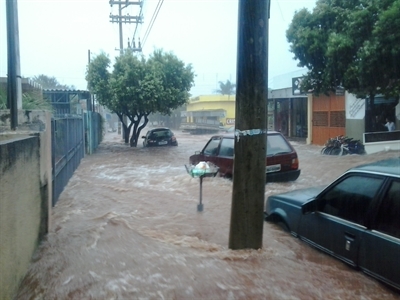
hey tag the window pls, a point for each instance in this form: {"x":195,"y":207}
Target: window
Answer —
{"x":338,"y":119}
{"x":350,"y":198}
{"x":212,"y":147}
{"x":277,"y":144}
{"x":388,"y":218}
{"x":227,"y":148}
{"x":320,"y":119}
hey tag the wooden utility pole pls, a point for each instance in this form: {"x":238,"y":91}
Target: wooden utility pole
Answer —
{"x":247,"y":215}
{"x":14,"y":85}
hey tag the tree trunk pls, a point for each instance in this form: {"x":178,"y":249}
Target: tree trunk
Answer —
{"x":137,"y":129}
{"x":247,"y":214}
{"x":126,"y":132}
{"x":370,"y":124}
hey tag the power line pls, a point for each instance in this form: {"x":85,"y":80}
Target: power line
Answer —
{"x":137,"y":24}
{"x":153,"y":18}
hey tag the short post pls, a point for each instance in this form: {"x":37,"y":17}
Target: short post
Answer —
{"x":200,"y":205}
{"x":211,"y":171}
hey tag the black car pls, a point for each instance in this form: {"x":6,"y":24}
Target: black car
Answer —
{"x":159,"y":137}
{"x":281,"y":160}
{"x":356,"y":218}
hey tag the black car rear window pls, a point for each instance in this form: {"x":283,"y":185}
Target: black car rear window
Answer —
{"x":161,"y":133}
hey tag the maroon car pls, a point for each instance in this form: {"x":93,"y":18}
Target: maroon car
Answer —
{"x":282,"y":163}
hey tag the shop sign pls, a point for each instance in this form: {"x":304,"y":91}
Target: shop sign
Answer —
{"x":230,"y":121}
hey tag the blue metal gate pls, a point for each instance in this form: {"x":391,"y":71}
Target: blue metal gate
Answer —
{"x":70,"y":136}
{"x":67,"y":150}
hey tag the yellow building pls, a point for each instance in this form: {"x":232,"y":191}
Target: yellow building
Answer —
{"x":209,"y":112}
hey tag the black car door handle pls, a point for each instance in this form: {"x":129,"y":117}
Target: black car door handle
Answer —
{"x":349,"y":236}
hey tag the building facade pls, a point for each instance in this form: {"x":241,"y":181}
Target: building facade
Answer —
{"x":209,"y":113}
{"x":314,"y":118}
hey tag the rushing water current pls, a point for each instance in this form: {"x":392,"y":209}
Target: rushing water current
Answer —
{"x":127,"y":227}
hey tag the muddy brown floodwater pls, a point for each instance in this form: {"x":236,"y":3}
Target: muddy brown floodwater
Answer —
{"x":127,"y":227}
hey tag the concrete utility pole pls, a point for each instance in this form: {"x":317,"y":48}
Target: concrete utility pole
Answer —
{"x":125,"y":19}
{"x":14,"y":86}
{"x":247,"y":215}
{"x":120,"y":19}
{"x":91,"y":100}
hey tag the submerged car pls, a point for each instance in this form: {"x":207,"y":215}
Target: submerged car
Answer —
{"x":356,"y":218}
{"x":281,"y":162}
{"x":159,"y":137}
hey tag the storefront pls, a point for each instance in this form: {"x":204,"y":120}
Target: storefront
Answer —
{"x":288,"y":112}
{"x":378,"y":111}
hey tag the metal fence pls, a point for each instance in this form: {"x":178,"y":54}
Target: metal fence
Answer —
{"x":70,"y":135}
{"x":67,"y":151}
{"x":93,"y":130}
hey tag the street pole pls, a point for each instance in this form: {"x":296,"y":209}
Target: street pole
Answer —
{"x":14,"y":85}
{"x":91,"y":100}
{"x":127,"y":20}
{"x":247,"y":212}
{"x":121,"y":43}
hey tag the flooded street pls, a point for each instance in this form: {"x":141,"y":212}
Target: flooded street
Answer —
{"x":127,"y":227}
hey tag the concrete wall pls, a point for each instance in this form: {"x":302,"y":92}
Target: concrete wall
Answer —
{"x":355,"y":128}
{"x":20,"y":214}
{"x":381,"y":141}
{"x":25,"y":193}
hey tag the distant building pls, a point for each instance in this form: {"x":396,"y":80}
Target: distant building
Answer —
{"x":68,"y":101}
{"x":208,"y":113}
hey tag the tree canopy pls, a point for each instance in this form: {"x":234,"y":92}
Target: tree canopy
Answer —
{"x":350,"y":43}
{"x":227,"y":88}
{"x":137,"y":87}
{"x":48,"y":82}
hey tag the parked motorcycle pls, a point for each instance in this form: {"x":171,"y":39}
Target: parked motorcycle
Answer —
{"x":342,"y":145}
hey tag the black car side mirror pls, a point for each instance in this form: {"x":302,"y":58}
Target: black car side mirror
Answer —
{"x":309,"y":207}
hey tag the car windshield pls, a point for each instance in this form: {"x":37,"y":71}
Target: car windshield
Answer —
{"x":212,"y":147}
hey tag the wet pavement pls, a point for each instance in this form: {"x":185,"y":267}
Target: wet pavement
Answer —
{"x":127,"y":227}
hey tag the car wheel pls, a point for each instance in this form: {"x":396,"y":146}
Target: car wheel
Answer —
{"x":283,"y":226}
{"x":278,"y":221}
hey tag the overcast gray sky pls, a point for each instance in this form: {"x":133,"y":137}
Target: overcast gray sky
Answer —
{"x":55,"y":36}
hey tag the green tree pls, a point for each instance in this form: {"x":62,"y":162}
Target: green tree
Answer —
{"x":227,"y":88}
{"x":346,"y":43}
{"x":48,"y":82}
{"x":137,"y":87}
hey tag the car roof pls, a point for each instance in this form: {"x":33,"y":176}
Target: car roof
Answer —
{"x":159,"y":129}
{"x":390,"y":166}
{"x":232,"y":134}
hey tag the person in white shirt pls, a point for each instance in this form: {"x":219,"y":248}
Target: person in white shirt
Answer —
{"x":390,"y":125}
